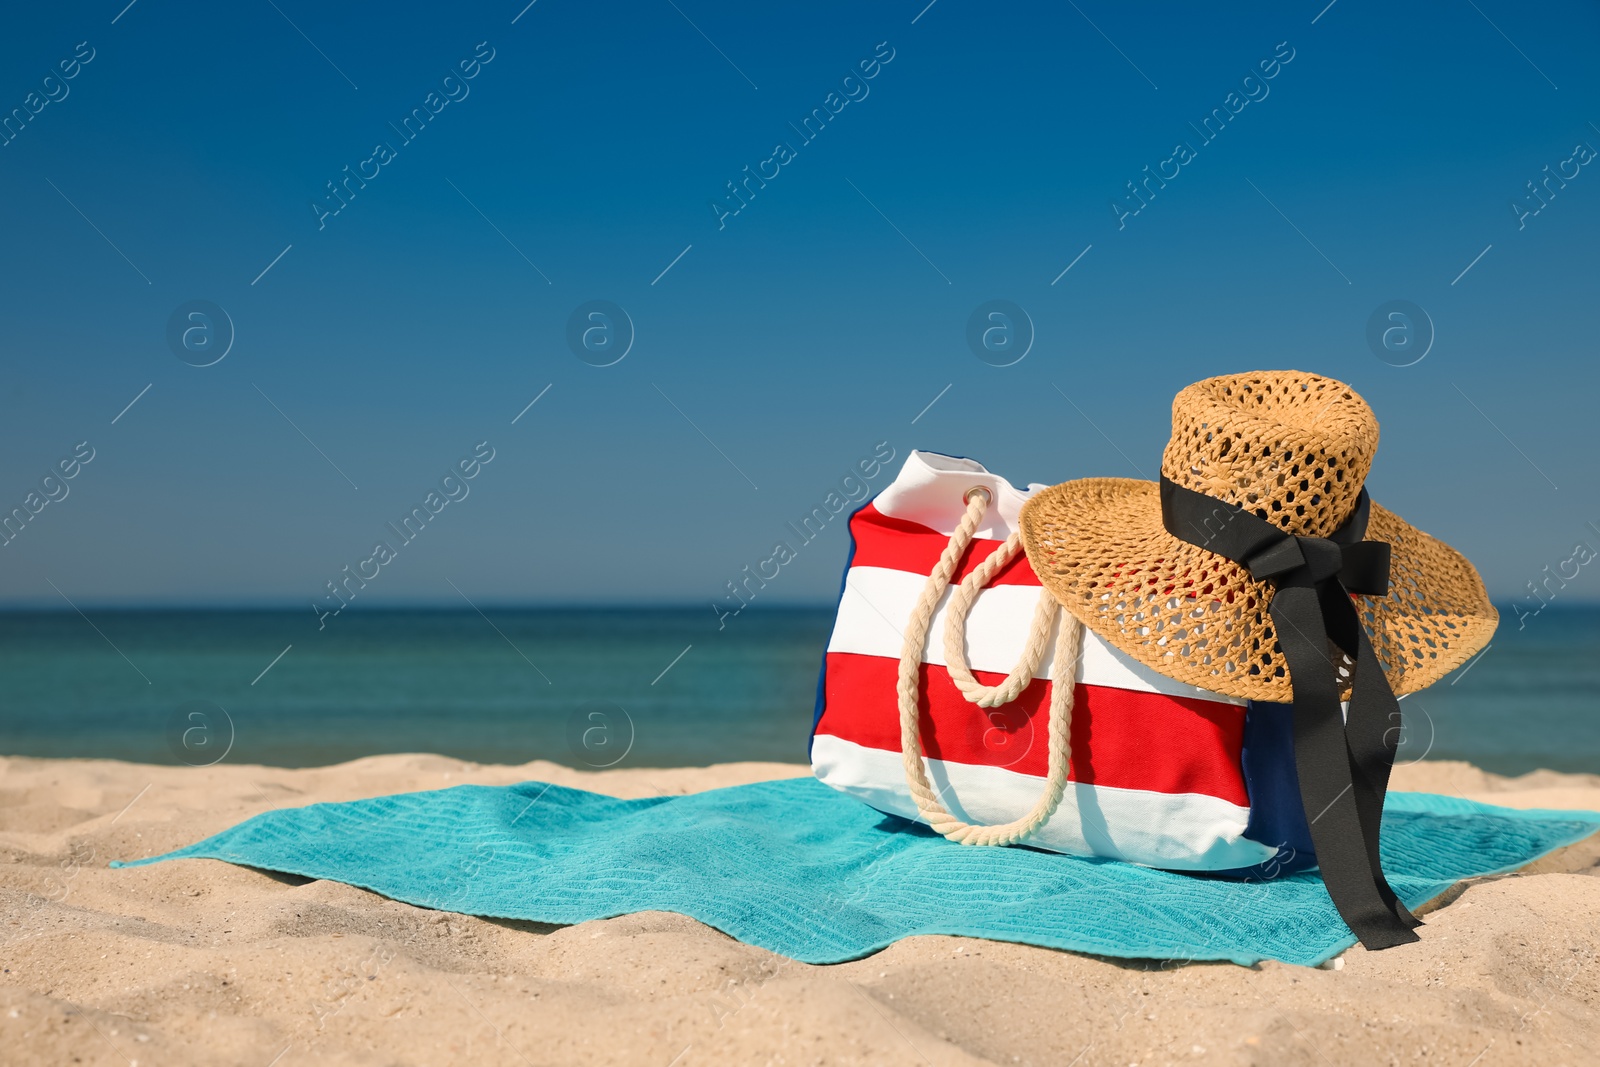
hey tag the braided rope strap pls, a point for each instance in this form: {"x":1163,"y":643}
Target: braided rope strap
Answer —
{"x":1069,"y":645}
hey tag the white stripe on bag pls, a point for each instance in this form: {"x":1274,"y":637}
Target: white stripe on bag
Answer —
{"x":877,"y":601}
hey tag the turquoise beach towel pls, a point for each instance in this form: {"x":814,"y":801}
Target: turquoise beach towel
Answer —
{"x":797,"y":868}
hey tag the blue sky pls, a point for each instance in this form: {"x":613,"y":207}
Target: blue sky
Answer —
{"x":776,"y":347}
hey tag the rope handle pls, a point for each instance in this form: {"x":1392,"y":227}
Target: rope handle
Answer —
{"x":1069,"y":646}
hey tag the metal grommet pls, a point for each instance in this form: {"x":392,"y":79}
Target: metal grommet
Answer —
{"x":988,"y":497}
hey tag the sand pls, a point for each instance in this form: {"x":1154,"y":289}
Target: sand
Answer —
{"x":200,"y":962}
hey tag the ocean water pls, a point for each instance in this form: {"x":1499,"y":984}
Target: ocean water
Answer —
{"x":594,"y":688}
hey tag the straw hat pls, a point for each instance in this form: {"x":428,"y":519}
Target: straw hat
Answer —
{"x":1294,"y":449}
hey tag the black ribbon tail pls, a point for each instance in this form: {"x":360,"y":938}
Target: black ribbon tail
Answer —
{"x":1342,"y":779}
{"x":1343,"y":764}
{"x":1372,"y":733}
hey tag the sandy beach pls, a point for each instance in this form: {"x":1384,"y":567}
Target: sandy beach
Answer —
{"x":201,"y":962}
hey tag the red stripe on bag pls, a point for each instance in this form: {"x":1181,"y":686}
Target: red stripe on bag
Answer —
{"x":1120,"y":738}
{"x":902,"y":545}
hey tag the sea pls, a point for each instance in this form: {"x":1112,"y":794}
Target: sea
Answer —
{"x":596,"y":688}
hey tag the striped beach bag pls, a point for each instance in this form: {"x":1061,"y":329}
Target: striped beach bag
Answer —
{"x":955,"y":692}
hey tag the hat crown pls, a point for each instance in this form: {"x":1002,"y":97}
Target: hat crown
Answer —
{"x":1291,"y":447}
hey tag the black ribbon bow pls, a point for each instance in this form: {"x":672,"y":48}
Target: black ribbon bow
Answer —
{"x":1343,"y":762}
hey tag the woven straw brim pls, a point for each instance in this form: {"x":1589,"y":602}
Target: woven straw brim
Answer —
{"x":1099,"y":546}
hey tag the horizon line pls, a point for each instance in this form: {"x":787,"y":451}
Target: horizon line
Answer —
{"x":46,"y":607}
